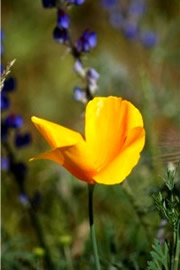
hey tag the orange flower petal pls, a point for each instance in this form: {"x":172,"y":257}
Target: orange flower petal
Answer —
{"x":108,"y":121}
{"x":77,"y":159}
{"x":54,"y":134}
{"x":117,"y":170}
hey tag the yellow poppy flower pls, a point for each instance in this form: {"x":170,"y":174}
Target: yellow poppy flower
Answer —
{"x":114,"y":138}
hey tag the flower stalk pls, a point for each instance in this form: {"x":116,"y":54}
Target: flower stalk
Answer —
{"x":92,"y":227}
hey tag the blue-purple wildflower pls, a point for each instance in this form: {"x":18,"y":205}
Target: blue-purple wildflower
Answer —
{"x":78,"y":68}
{"x":60,"y":35}
{"x":14,"y":121}
{"x":4,"y":164}
{"x":76,"y":2}
{"x":23,"y":198}
{"x":149,"y":39}
{"x":63,"y":19}
{"x":137,"y":8}
{"x":127,"y":17}
{"x":80,"y":94}
{"x":87,"y":41}
{"x":9,"y":85}
{"x":5,"y":102}
{"x":22,"y":140}
{"x":130,"y":31}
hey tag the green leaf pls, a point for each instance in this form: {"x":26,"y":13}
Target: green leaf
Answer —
{"x":160,"y":256}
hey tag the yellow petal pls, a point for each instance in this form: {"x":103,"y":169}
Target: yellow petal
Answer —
{"x":117,"y":170}
{"x":108,"y":121}
{"x":54,"y":134}
{"x":77,"y":159}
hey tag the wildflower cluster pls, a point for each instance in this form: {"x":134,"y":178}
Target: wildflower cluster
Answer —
{"x":13,"y":139}
{"x":127,"y":16}
{"x":84,"y":44}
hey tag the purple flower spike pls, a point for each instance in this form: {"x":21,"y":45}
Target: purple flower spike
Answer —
{"x":49,"y":3}
{"x":22,"y":140}
{"x":60,"y":35}
{"x":149,"y":39}
{"x":14,"y":121}
{"x":63,"y":19}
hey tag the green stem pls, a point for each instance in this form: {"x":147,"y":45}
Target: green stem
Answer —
{"x":177,"y":248}
{"x":92,"y":228}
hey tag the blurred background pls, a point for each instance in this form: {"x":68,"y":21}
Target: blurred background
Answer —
{"x":138,"y":58}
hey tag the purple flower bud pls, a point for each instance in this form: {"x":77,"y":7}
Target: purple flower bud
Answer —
{"x":92,"y":85}
{"x":149,"y":39}
{"x":137,"y":7}
{"x":63,"y":19}
{"x":9,"y":85}
{"x":5,"y":103}
{"x":60,"y":35}
{"x":87,"y":41}
{"x":79,"y":68}
{"x":23,"y":199}
{"x":14,"y":121}
{"x":75,"y":2}
{"x":92,"y":74}
{"x":49,"y":3}
{"x":22,"y":140}
{"x":109,"y":3}
{"x":80,"y":95}
{"x":130,"y":31}
{"x":4,"y":164}
{"x":92,"y":39}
